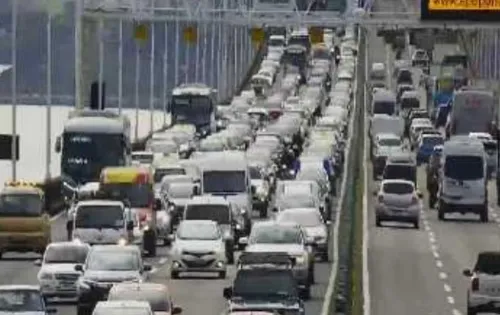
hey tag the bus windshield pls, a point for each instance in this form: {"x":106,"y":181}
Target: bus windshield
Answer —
{"x":139,"y":195}
{"x":20,"y":205}
{"x":191,"y":109}
{"x":84,"y":155}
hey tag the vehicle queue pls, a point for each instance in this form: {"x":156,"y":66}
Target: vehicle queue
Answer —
{"x":279,"y":151}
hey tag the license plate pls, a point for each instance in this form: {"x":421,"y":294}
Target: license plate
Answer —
{"x":67,"y":284}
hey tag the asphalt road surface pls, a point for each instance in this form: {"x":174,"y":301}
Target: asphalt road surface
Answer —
{"x":418,"y":272}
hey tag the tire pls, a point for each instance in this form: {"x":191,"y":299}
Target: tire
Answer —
{"x":83,"y":310}
{"x":230,"y":257}
{"x":441,"y":215}
{"x":484,"y":216}
{"x":378,"y":222}
{"x":432,"y":201}
{"x":325,"y":257}
{"x":306,"y":293}
{"x":416,"y":224}
{"x":149,"y":244}
{"x":174,"y":274}
{"x":471,"y":311}
{"x":263,"y":212}
{"x":222,"y":275}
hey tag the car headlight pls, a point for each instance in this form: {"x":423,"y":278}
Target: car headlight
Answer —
{"x":122,"y":242}
{"x":300,"y":259}
{"x":146,"y":228}
{"x":45,"y":276}
{"x":238,"y":226}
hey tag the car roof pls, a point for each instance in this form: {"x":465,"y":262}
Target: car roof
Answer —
{"x":387,"y":135}
{"x":208,"y":199}
{"x":128,"y":303}
{"x":275,"y":223}
{"x":99,"y":202}
{"x":199,"y":222}
{"x":108,"y":248}
{"x":155,"y":290}
{"x":396,"y":181}
{"x":68,"y":245}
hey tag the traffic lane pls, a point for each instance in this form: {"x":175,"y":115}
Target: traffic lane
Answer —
{"x":458,"y":240}
{"x":403,"y":275}
{"x":202,"y":294}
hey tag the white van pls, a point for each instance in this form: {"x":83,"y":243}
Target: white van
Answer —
{"x":101,"y":222}
{"x":463,"y":186}
{"x":378,"y":71}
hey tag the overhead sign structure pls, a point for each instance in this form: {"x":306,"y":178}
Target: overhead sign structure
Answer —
{"x":316,"y":35}
{"x":468,"y":10}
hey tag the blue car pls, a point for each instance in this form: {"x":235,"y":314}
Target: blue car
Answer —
{"x":426,"y":146}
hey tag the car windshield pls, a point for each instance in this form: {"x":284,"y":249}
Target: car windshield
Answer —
{"x":302,"y":218}
{"x":65,"y":255}
{"x":113,"y":261}
{"x":464,"y":167}
{"x":275,"y":234}
{"x":99,"y":217}
{"x":20,"y":205}
{"x":390,"y":142}
{"x":255,"y":172}
{"x":160,"y":172}
{"x":432,"y":141}
{"x":264,"y":284}
{"x":400,"y":171}
{"x":488,"y":263}
{"x":143,"y":158}
{"x":157,"y":302}
{"x":217,"y":213}
{"x":195,"y":231}
{"x":18,"y":301}
{"x":224,"y":182}
{"x":398,"y":188}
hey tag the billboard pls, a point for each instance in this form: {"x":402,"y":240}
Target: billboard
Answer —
{"x":461,"y":10}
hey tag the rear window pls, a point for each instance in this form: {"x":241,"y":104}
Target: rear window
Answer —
{"x":217,"y":213}
{"x":392,"y":142}
{"x":488,"y":263}
{"x":160,"y":172}
{"x":398,"y":188}
{"x":399,"y":171}
{"x":381,"y":107}
{"x":432,"y":141}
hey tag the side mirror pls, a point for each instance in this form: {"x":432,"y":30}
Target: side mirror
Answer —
{"x":171,"y":237}
{"x":38,"y":262}
{"x":420,"y":194}
{"x":176,"y":310}
{"x":147,"y":268}
{"x":328,"y":222}
{"x":253,"y":189}
{"x":79,"y":268}
{"x":467,"y":273}
{"x":130,"y":225}
{"x":275,"y":210}
{"x":227,"y":292}
{"x":158,"y":205}
{"x":243,"y":240}
{"x":196,"y":190}
{"x":51,"y":310}
{"x":58,"y":144}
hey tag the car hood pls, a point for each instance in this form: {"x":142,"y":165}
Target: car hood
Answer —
{"x":59,"y":268}
{"x":291,"y":249}
{"x":111,"y":275}
{"x":98,"y":236}
{"x":201,"y":246}
{"x":388,"y":150}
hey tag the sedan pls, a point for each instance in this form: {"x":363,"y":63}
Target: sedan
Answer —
{"x":312,"y":223}
{"x":398,"y":201}
{"x":23,"y":299}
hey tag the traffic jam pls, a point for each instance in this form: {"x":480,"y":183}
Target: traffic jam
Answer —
{"x":252,"y":186}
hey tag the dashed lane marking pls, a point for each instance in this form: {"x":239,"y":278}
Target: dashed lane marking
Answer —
{"x":443,"y":276}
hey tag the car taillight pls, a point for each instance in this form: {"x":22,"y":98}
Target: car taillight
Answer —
{"x":380,"y":198}
{"x":475,"y":284}
{"x":275,"y":114}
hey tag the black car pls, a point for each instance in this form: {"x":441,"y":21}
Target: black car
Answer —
{"x":265,"y":282}
{"x":105,"y":266}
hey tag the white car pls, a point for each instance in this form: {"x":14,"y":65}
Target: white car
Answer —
{"x":199,"y":246}
{"x":57,"y":276}
{"x":483,"y":293}
{"x":123,"y":307}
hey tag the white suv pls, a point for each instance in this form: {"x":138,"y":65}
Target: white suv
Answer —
{"x":483,"y":294}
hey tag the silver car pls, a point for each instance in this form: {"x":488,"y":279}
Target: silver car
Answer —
{"x":398,"y":201}
{"x":199,"y":246}
{"x":23,"y":299}
{"x":290,"y":238}
{"x":312,"y":223}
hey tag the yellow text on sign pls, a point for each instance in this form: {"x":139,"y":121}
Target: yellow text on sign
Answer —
{"x":141,"y":32}
{"x":190,"y":34}
{"x":258,"y":35}
{"x":316,"y":35}
{"x":472,"y":5}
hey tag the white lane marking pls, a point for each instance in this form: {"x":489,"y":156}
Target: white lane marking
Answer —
{"x":451,"y":300}
{"x":435,"y":254}
{"x":57,"y":216}
{"x":333,"y":274}
{"x":456,"y":312}
{"x":443,"y":275}
{"x":447,"y":287}
{"x":154,"y":270}
{"x":163,"y":261}
{"x":439,"y":264}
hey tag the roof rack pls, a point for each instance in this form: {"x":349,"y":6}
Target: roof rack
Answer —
{"x":266,"y":259}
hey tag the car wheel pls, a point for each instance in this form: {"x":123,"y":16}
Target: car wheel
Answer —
{"x":416,"y":224}
{"x":230,"y":257}
{"x":83,"y":310}
{"x":484,"y":215}
{"x":378,"y":222}
{"x":222,"y":275}
{"x":471,"y":311}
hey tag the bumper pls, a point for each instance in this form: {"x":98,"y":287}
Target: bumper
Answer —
{"x":404,"y":215}
{"x":484,"y":303}
{"x":194,"y":264}
{"x":19,"y":242}
{"x":447,"y":206}
{"x":56,"y":288}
